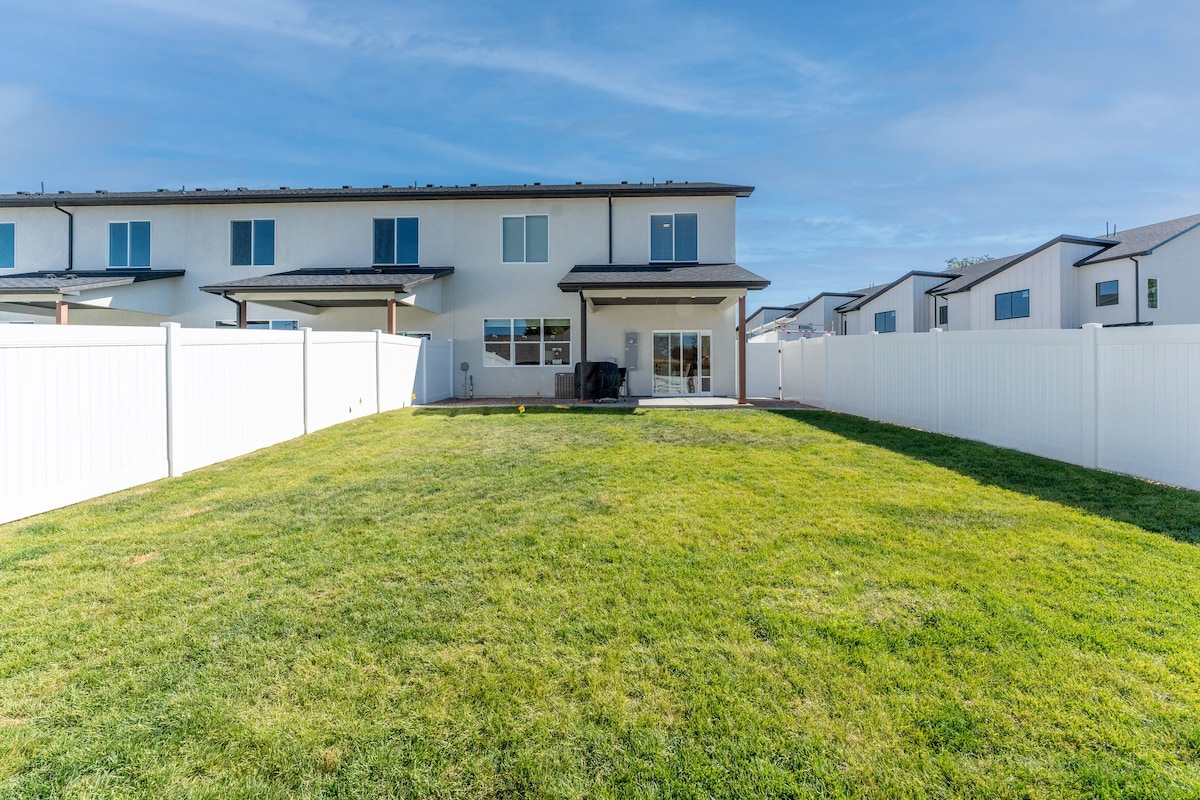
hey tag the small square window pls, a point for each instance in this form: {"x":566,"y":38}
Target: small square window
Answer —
{"x":252,"y":242}
{"x":1108,"y":293}
{"x":526,"y":239}
{"x":129,"y":244}
{"x":396,"y":241}
{"x":673,"y":237}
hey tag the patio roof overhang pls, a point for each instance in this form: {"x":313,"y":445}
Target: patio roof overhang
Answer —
{"x":314,"y":290}
{"x":55,"y":291}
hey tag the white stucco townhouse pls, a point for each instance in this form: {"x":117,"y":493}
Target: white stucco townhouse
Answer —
{"x":525,"y":280}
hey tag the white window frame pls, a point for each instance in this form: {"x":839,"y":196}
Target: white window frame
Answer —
{"x":127,"y":223}
{"x":525,"y":241}
{"x":674,"y":227}
{"x":394,"y":262}
{"x":274,"y":241}
{"x":14,"y":224}
{"x":542,"y":343}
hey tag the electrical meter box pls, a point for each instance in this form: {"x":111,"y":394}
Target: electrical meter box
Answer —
{"x":631,"y":351}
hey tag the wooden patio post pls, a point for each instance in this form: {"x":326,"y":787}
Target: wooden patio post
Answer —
{"x":241,"y":313}
{"x":391,"y":316}
{"x":741,"y":351}
{"x":60,"y":312}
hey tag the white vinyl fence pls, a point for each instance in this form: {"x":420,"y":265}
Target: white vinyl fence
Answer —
{"x":85,"y":411}
{"x":1121,"y":399}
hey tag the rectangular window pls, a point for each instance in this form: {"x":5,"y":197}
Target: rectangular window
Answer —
{"x":1151,"y":291}
{"x":8,"y":245}
{"x":129,"y":244}
{"x":1107,"y":293}
{"x":526,"y":342}
{"x":1012,"y":305}
{"x":252,"y":242}
{"x":396,"y":241}
{"x":943,"y":315}
{"x":673,"y":237}
{"x":526,"y":239}
{"x":885,"y":322}
{"x":261,"y":324}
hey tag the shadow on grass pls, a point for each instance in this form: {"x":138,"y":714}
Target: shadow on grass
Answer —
{"x":1160,"y":509}
{"x":485,"y":411}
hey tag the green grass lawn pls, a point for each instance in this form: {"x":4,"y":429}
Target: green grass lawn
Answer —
{"x":601,"y":604}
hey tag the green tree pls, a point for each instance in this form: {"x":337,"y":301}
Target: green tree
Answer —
{"x":963,"y":263}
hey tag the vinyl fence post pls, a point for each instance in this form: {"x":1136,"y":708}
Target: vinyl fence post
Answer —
{"x":174,"y":365}
{"x":378,"y":371}
{"x":1089,"y":417}
{"x":779,"y":364}
{"x":938,"y":383}
{"x":874,"y":375}
{"x":307,"y":393}
{"x":827,"y":344}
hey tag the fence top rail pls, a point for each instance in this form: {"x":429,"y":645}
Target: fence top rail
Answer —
{"x":79,"y":335}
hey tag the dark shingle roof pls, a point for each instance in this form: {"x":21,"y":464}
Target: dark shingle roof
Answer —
{"x":968,"y":276}
{"x":348,"y":193}
{"x":870,"y":294}
{"x":1141,"y":241}
{"x":796,"y":309}
{"x":399,"y":279}
{"x":660,"y":276}
{"x":72,"y":282}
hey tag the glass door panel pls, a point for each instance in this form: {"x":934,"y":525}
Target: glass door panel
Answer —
{"x":682,"y":363}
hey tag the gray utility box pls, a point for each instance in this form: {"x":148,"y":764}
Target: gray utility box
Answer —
{"x":631,"y":351}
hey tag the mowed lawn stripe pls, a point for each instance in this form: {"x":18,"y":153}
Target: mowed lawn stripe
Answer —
{"x":602,"y":603}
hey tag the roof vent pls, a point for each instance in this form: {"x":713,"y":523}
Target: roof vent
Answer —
{"x":429,"y":186}
{"x":199,"y":189}
{"x":579,"y":183}
{"x":243,"y":189}
{"x":162,"y":190}
{"x":387,"y":186}
{"x":284,"y":188}
{"x":22,"y":193}
{"x":623,"y":183}
{"x":102,"y":191}
{"x":537,"y":183}
{"x":670,"y":181}
{"x":64,"y":191}
{"x":345,"y":186}
{"x":474,"y":184}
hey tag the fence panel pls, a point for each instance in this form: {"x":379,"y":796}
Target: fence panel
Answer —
{"x":1017,"y":389}
{"x":398,"y":357}
{"x":851,"y":368}
{"x":762,"y":369}
{"x":792,"y":368}
{"x":435,"y":371}
{"x":236,"y":391}
{"x":812,"y":385}
{"x":82,"y":413}
{"x":906,"y":379}
{"x":341,"y":377}
{"x":1149,"y":409}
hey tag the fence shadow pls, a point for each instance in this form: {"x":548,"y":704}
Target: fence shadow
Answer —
{"x":1150,"y":506}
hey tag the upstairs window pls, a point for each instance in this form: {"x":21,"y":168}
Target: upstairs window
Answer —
{"x":943,"y":315}
{"x":1151,"y":292}
{"x":1012,"y":305}
{"x":885,"y":322}
{"x":1108,"y":293}
{"x":526,"y":239}
{"x":396,"y":241}
{"x":129,"y":244}
{"x":8,"y":245}
{"x":252,"y":242}
{"x":673,"y":237}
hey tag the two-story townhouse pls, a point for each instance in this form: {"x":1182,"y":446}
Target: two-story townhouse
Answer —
{"x":526,"y":280}
{"x":901,"y":305}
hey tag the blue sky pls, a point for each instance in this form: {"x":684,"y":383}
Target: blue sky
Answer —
{"x":881,"y":136}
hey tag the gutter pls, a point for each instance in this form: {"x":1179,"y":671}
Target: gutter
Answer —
{"x":70,"y":236}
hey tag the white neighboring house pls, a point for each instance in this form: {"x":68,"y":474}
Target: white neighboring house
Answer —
{"x":526,"y":280}
{"x":901,"y":305}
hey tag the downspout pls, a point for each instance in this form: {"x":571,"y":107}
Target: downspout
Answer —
{"x":236,"y":303}
{"x":1137,"y":291}
{"x":70,"y":236}
{"x":583,"y":368}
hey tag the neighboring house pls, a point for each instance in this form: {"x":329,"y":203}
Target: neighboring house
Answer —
{"x":899,"y":306}
{"x":763,"y":320}
{"x":819,"y":314}
{"x":1141,"y":276}
{"x":524,"y":279}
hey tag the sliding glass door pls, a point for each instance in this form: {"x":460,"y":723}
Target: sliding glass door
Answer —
{"x":682,"y":363}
